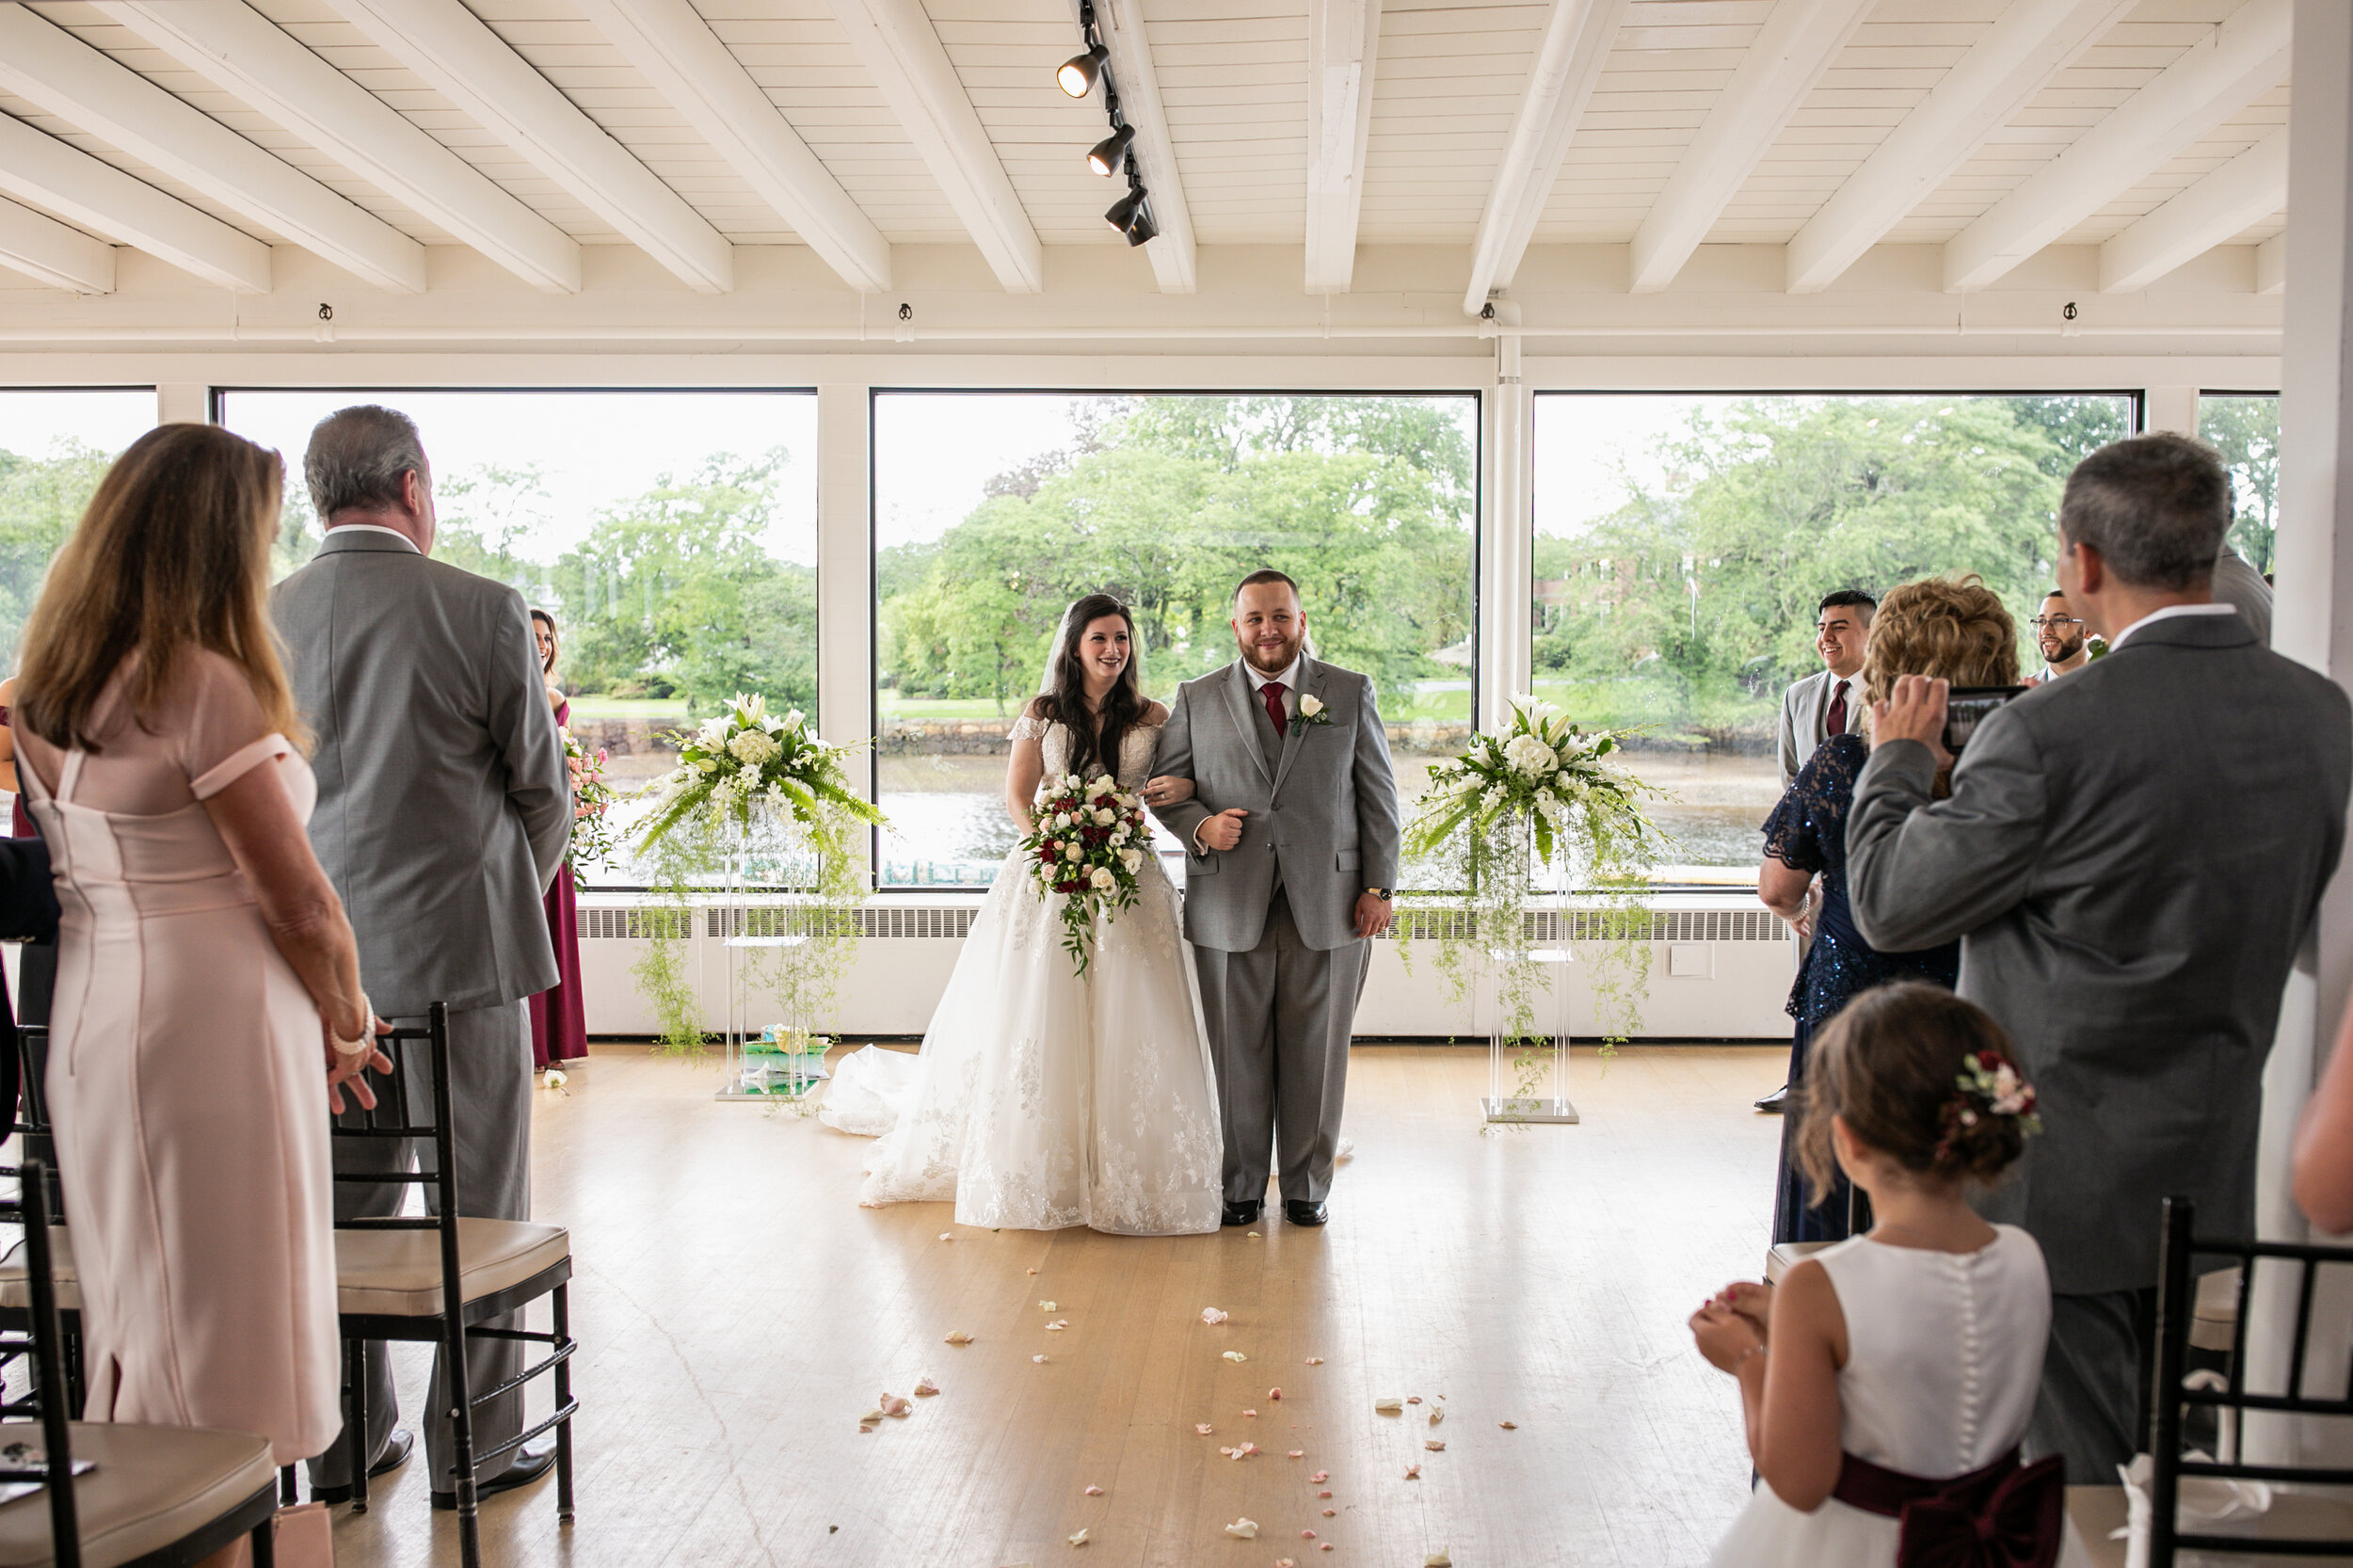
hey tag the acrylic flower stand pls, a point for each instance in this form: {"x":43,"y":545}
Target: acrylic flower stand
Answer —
{"x":782,"y":1061}
{"x":1505,"y":1100}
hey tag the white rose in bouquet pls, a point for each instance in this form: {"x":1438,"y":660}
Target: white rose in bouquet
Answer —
{"x":1529,"y":757}
{"x":1062,"y":821}
{"x":1071,"y":852}
{"x":1101,"y":877}
{"x":1132,"y":859}
{"x":1104,"y":816}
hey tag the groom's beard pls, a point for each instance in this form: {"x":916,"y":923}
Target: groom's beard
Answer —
{"x":1256,"y":657}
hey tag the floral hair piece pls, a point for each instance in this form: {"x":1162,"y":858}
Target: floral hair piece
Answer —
{"x":1989,"y":1084}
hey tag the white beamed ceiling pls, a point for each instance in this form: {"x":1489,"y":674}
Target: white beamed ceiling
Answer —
{"x":1232,"y":82}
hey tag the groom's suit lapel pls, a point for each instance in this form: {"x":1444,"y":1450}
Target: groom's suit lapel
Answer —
{"x":1238,"y":702}
{"x":1310,"y":681}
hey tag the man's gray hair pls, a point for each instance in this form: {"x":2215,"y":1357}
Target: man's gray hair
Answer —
{"x":357,"y":457}
{"x":2155,"y":507}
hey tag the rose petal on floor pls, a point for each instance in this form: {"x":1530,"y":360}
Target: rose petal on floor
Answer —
{"x":1045,"y":1306}
{"x":1236,"y":1356}
{"x":1244,"y":1530}
{"x":947,"y":1235}
{"x":1038,"y":1360}
{"x":1433,"y":1444}
{"x":1323,"y":1494}
{"x":1299,"y":1453}
{"x":1413,"y":1472}
{"x":1331,"y":1513}
{"x":1256,"y":1237}
{"x":959,"y":1338}
{"x":1314,"y":1361}
{"x":1080,"y":1539}
{"x":1388,"y":1404}
{"x":1321,"y":1477}
{"x":1509,"y":1426}
{"x":1275,"y":1393}
{"x":1212,"y":1315}
{"x":1436,"y":1415}
{"x":1095,"y":1491}
{"x":893,"y":1405}
{"x":1413,"y":1398}
{"x":1307,"y":1535}
{"x":925,"y":1389}
{"x":1252,"y":1414}
{"x":1438,"y":1560}
{"x":1202,"y":1427}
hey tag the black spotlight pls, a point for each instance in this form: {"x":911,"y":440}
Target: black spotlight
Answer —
{"x":1107,"y":155}
{"x":1141,"y":229}
{"x":1123,"y":212}
{"x":1077,"y":73}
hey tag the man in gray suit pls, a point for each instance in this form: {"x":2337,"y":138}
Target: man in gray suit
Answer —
{"x":1822,"y":705}
{"x":444,"y":808}
{"x":2132,"y":858}
{"x":1293,"y":837}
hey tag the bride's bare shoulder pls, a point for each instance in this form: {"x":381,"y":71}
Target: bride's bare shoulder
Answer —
{"x":1155,"y":716}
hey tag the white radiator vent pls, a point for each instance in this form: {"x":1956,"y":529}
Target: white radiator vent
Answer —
{"x":631,"y":924}
{"x":900,"y":922}
{"x":1649,"y":925}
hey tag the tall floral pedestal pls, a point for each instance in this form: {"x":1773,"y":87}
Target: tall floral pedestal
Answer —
{"x":779,"y":1060}
{"x":1511,"y":1078}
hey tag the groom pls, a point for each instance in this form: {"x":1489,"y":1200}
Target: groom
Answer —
{"x":1293,"y":844}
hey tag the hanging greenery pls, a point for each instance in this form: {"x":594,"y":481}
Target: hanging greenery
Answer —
{"x":759,"y":800}
{"x":1540,"y":794}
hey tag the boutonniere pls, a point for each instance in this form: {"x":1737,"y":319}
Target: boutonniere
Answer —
{"x":1312,"y":710}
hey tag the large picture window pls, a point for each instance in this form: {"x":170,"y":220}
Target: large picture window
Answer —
{"x":1683,"y":542}
{"x":55,"y":444}
{"x":672,"y":535}
{"x":2244,"y":427}
{"x":994,"y":510}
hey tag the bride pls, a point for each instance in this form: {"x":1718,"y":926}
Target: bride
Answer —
{"x":1044,"y":1098}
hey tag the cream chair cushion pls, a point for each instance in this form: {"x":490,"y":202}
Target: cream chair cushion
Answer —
{"x":16,"y":1293}
{"x":153,"y":1486}
{"x":398,"y":1272}
{"x":1787,"y":1256}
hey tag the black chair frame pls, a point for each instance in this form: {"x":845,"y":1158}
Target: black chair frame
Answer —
{"x":2179,"y":1246}
{"x":39,"y":1143}
{"x":252,"y":1518}
{"x":458,"y":1319}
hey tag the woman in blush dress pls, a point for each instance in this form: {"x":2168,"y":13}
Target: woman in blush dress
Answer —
{"x":1956,"y":630}
{"x":208,"y":1010}
{"x":559,"y":1024}
{"x":1046,"y":1098}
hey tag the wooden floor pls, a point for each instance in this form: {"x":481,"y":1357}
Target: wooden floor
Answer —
{"x":738,"y":1313}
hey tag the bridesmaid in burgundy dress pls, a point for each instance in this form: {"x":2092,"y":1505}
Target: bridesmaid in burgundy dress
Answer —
{"x":559,"y":1027}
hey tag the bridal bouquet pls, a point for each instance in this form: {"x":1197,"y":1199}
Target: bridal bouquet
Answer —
{"x":595,"y":835}
{"x":1086,"y":848}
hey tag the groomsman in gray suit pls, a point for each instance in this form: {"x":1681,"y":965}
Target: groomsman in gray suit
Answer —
{"x":444,"y":808}
{"x":2132,"y":858}
{"x":1823,"y":704}
{"x":1292,"y":839}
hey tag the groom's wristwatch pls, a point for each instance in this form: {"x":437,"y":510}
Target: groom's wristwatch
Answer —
{"x":1385,"y":894}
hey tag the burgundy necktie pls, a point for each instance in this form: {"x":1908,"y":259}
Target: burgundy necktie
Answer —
{"x":1272,"y":691}
{"x":1835,"y":723}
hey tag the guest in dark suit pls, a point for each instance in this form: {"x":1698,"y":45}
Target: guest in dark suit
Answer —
{"x":2132,"y":858}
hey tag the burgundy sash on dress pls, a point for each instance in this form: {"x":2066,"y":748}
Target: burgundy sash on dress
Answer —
{"x":2003,"y":1516}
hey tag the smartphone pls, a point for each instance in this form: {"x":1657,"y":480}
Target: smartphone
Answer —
{"x":1965,"y":708}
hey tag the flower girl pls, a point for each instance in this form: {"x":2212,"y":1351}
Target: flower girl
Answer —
{"x":1887,"y":1381}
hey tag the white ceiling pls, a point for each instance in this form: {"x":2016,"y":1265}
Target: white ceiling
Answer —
{"x":1451,"y":79}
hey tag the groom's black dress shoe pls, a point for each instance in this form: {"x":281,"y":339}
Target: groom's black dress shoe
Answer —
{"x":1299,"y":1211}
{"x":389,"y":1457}
{"x":1243,"y":1213}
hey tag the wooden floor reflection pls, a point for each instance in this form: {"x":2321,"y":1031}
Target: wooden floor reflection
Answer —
{"x":738,"y":1313}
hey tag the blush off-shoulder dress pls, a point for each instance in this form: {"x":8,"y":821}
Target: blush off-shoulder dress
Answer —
{"x":186,"y":1078}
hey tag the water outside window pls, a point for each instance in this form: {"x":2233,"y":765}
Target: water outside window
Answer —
{"x":673,"y":536}
{"x":993,"y":511}
{"x":55,"y":444}
{"x":1683,"y":542}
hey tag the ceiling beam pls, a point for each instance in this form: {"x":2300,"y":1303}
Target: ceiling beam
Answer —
{"x":1343,"y":46}
{"x":894,"y":41}
{"x":2216,"y":78}
{"x":1577,"y":38}
{"x":54,"y":253}
{"x":1777,"y":72}
{"x":1120,"y":25}
{"x":474,"y":68}
{"x":244,"y":53}
{"x":2234,"y":198}
{"x":48,"y":66}
{"x":2271,"y":264}
{"x":2026,"y":46}
{"x":701,"y":78}
{"x":102,"y":198}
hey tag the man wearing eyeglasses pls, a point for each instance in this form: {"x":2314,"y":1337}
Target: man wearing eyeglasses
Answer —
{"x":2060,"y":635}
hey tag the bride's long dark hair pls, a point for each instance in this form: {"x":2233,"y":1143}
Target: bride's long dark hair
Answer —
{"x":1065,"y":699}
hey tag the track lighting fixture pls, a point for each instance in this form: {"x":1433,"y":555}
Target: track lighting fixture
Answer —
{"x":1141,"y":229}
{"x":1107,"y":155}
{"x":1077,"y":73}
{"x":1123,"y":210}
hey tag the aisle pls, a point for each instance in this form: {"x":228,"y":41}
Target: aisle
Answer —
{"x":738,"y":1314}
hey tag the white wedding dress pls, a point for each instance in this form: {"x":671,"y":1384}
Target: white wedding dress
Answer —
{"x":1042,"y":1100}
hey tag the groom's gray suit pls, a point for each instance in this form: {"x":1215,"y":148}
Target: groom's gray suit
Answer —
{"x":1272,"y":921}
{"x":445,"y":809}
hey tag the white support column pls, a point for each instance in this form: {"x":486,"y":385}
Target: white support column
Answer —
{"x":845,"y":595}
{"x":1504,"y":535}
{"x":184,"y":402}
{"x":2173,"y":409}
{"x":2313,"y":614}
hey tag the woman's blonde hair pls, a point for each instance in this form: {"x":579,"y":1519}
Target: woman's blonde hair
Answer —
{"x":1952,"y":627}
{"x":172,"y":556}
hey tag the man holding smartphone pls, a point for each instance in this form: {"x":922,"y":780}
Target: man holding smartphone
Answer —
{"x":2132,"y":859}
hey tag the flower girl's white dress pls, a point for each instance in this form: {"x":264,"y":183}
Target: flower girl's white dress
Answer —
{"x":1043,"y":1099}
{"x":1944,"y":1353}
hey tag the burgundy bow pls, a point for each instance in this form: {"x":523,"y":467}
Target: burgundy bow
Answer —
{"x":2003,"y":1516}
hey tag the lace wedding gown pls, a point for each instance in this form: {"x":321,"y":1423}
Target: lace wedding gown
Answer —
{"x":1042,"y":1100}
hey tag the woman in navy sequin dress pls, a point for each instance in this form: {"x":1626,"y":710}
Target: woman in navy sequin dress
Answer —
{"x":1960,"y":631}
